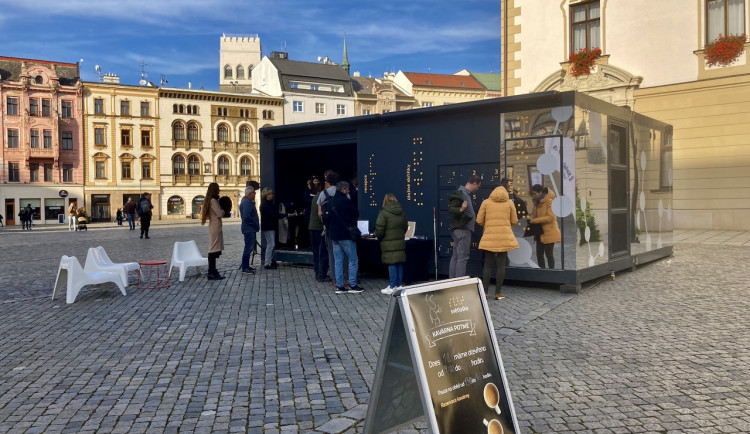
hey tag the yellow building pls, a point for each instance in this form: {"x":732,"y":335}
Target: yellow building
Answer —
{"x":210,"y":136}
{"x":121,"y":154}
{"x":432,"y":90}
{"x":654,"y":61}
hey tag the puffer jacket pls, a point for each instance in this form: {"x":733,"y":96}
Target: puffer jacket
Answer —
{"x":543,"y":214}
{"x":390,"y":229}
{"x":497,"y":215}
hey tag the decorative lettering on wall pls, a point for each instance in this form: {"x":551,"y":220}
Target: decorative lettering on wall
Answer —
{"x":415,"y":175}
{"x":369,"y":182}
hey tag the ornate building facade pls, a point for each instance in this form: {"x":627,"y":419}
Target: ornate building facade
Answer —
{"x":122,"y":153}
{"x":658,"y":71}
{"x":209,"y":137}
{"x":42,"y":146}
{"x":378,"y":95}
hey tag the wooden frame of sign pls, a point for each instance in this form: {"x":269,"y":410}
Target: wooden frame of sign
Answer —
{"x":439,"y":359}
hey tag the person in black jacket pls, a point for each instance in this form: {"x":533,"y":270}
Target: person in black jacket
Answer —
{"x":144,"y":210}
{"x":269,"y":224}
{"x":344,"y":216}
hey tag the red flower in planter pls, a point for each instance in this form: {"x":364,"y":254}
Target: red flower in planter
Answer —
{"x":583,"y":61}
{"x":724,"y":50}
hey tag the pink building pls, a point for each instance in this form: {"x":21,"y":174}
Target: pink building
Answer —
{"x":42,"y":138}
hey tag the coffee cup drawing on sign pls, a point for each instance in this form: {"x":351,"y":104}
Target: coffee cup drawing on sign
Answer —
{"x":494,"y":426}
{"x":492,"y":396}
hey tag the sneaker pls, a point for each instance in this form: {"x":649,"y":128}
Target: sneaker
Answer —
{"x":247,"y":271}
{"x":268,"y":267}
{"x":214,"y":276}
{"x":356,"y":289}
{"x":499,"y":296}
{"x":387,"y":290}
{"x":341,"y":290}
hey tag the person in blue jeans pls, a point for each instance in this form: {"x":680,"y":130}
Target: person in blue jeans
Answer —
{"x":250,"y":227}
{"x":344,"y":216}
{"x":390,"y":230}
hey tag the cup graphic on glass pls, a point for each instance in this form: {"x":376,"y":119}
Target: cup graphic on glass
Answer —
{"x":494,"y":426}
{"x":492,"y":397}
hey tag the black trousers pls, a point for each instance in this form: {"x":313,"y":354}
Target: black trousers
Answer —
{"x":145,"y":225}
{"x":496,"y":261}
{"x":212,"y":256}
{"x":543,"y":250}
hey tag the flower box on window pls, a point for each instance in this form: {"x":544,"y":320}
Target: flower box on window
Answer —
{"x":583,"y":61}
{"x":725,"y":50}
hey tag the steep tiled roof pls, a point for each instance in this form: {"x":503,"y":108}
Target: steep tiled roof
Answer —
{"x":10,"y":69}
{"x":441,"y":80}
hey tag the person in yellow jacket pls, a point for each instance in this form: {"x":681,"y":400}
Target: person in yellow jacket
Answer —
{"x":542,"y":214}
{"x":497,"y":215}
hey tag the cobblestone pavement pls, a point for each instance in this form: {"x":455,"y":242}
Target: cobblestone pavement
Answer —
{"x":663,"y":349}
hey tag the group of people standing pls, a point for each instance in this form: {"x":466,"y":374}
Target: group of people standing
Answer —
{"x":497,"y":215}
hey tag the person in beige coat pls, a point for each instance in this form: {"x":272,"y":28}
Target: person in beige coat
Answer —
{"x":212,"y":212}
{"x":497,"y":215}
{"x":542,"y":214}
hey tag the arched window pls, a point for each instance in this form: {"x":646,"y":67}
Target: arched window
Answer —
{"x":195,"y":109}
{"x":192,"y":131}
{"x":194,"y":165}
{"x":182,"y":108}
{"x":227,"y":71}
{"x":245,"y":134}
{"x":178,"y":131}
{"x":240,"y":71}
{"x":223,"y":166}
{"x":223,"y":133}
{"x":189,"y":109}
{"x":174,"y":108}
{"x":178,"y":165}
{"x":175,"y":205}
{"x":39,"y":79}
{"x":197,"y":204}
{"x":246,"y":167}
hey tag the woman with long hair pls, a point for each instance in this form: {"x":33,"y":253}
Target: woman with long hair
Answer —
{"x":496,"y":215}
{"x":211,"y":211}
{"x":390,"y":230}
{"x":542,"y":214}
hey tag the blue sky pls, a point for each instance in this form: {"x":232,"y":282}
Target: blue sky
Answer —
{"x":180,"y":39}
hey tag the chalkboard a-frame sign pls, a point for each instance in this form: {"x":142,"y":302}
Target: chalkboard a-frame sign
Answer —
{"x":439,"y":358}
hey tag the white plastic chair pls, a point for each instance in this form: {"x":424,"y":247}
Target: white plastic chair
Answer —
{"x":98,"y":260}
{"x":186,"y":254}
{"x":71,"y":274}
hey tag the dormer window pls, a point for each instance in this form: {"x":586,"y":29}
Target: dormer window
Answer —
{"x":38,"y":79}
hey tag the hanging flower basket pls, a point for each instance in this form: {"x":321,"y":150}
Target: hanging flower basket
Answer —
{"x":725,"y":50}
{"x":583,"y":61}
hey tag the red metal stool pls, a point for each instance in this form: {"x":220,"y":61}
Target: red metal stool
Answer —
{"x":153,"y":275}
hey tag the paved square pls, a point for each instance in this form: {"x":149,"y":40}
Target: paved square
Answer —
{"x":664,"y":349}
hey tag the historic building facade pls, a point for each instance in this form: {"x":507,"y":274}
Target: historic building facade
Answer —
{"x":378,"y":95}
{"x":650,"y":66}
{"x":238,"y":55}
{"x":122,"y":152}
{"x":42,"y":146}
{"x":206,"y":137}
{"x":432,"y":90}
{"x":310,"y":91}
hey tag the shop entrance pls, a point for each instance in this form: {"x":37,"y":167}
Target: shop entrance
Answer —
{"x":100,"y":208}
{"x":10,"y":212}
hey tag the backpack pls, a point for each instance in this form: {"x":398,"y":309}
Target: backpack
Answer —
{"x":143,"y":207}
{"x":325,"y":209}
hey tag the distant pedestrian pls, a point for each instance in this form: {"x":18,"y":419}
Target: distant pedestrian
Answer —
{"x":390,"y":230}
{"x":212,"y":212}
{"x":317,"y":242}
{"x":129,"y":208}
{"x":497,"y":215}
{"x":1,"y":220}
{"x":72,"y":216}
{"x":144,"y":211}
{"x":22,"y":216}
{"x":119,"y":217}
{"x":250,"y":227}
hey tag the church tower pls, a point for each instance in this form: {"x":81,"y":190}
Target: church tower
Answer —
{"x":345,"y":60}
{"x":239,"y":54}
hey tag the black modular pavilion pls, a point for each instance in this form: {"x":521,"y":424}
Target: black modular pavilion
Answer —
{"x":610,"y":168}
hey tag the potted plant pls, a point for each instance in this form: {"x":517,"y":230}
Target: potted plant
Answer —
{"x":583,"y":61}
{"x":725,"y":50}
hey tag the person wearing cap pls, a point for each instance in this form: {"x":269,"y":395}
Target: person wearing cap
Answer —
{"x":250,"y":227}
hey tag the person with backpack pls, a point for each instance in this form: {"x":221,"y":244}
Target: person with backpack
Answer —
{"x":22,"y":216}
{"x":144,"y":211}
{"x":331,"y":178}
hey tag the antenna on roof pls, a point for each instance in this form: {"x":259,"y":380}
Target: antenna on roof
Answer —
{"x":99,"y":71}
{"x":163,"y":80}
{"x":283,"y":46}
{"x":144,"y":75}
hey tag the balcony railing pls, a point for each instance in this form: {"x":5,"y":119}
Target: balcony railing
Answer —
{"x":236,"y":147}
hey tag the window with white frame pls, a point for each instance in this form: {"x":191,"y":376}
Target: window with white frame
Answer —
{"x":314,"y":87}
{"x":585,"y":25}
{"x":223,"y":166}
{"x":724,"y":17}
{"x":320,"y":108}
{"x":297,"y":106}
{"x":340,"y":109}
{"x":192,"y":131}
{"x":178,"y":165}
{"x":293,"y":85}
{"x":245,"y":167}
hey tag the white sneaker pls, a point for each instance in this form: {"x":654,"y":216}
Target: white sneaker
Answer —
{"x":387,"y":290}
